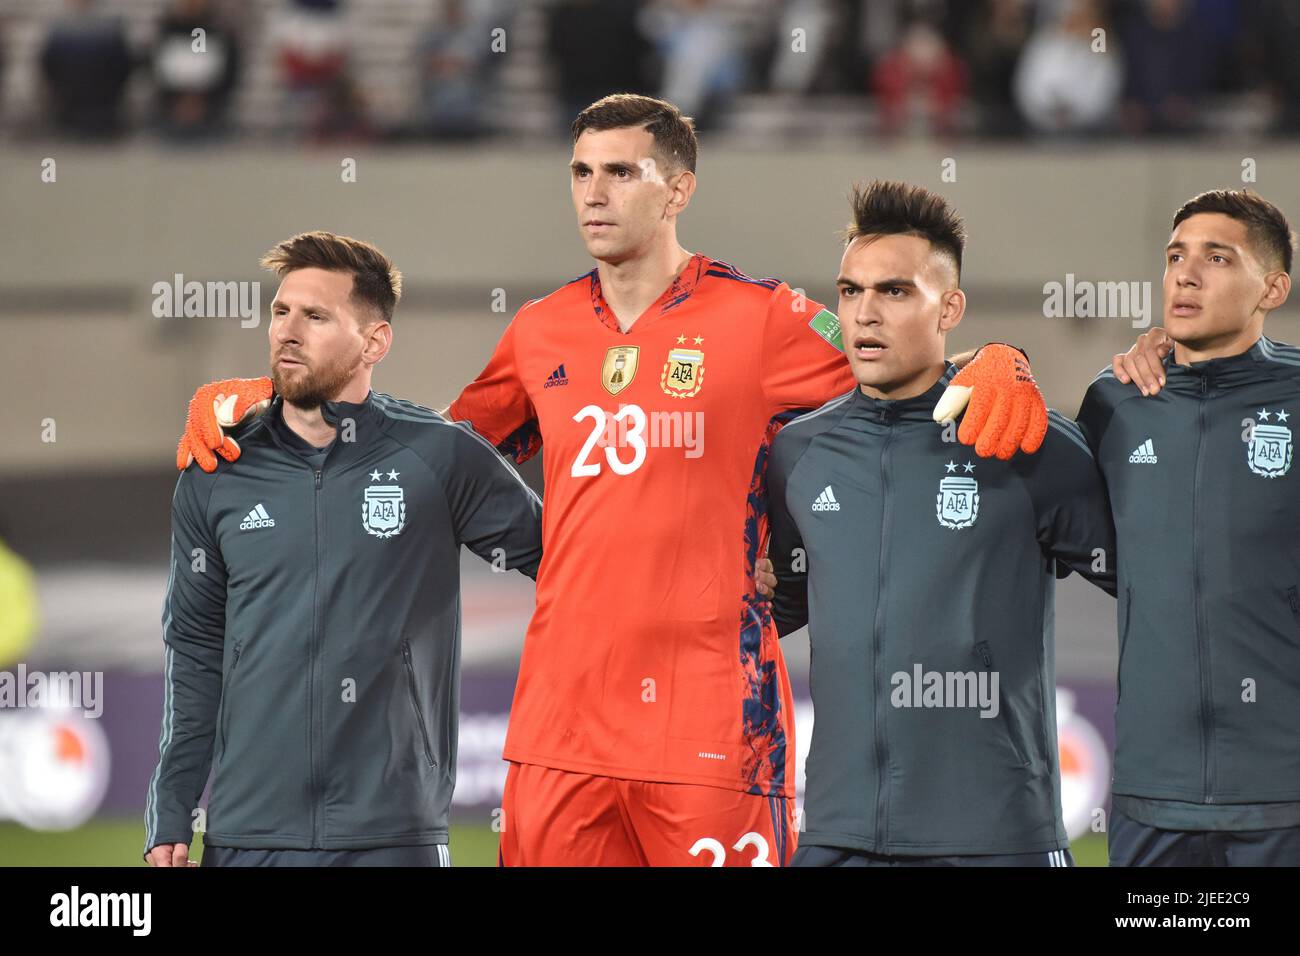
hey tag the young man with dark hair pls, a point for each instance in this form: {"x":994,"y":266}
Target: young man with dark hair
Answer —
{"x":1207,"y":751}
{"x":926,"y":577}
{"x":652,"y":720}
{"x":312,"y":617}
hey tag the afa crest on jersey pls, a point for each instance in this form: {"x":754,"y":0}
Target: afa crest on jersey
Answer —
{"x":619,"y":367}
{"x":1268,"y":452}
{"x":958,"y":503}
{"x":683,"y":374}
{"x":383,"y":509}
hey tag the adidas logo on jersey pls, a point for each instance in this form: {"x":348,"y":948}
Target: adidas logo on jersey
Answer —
{"x":826,"y":501}
{"x":1143,"y":454}
{"x":257,"y":518}
{"x":557,"y":377}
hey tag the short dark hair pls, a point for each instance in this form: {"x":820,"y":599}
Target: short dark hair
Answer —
{"x":892,"y":208}
{"x":1266,"y":227}
{"x":674,"y":134}
{"x":375,"y":282}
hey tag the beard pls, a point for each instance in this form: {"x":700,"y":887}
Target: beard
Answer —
{"x":311,"y":385}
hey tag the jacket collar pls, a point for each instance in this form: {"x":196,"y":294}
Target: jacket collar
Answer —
{"x":365,"y":412}
{"x":367,"y":417}
{"x":917,"y":409}
{"x":1230,"y":371}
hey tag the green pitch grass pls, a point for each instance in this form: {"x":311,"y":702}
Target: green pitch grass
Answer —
{"x":121,"y":842}
{"x":118,"y":843}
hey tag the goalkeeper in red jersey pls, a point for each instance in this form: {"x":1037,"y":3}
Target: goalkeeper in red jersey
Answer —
{"x":652,"y":719}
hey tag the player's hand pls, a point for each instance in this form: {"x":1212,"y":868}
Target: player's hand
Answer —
{"x":171,"y":854}
{"x":215,"y":406}
{"x":1006,"y":410}
{"x":765,"y":577}
{"x":1144,"y":363}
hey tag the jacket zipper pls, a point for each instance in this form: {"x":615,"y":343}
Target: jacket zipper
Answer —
{"x":1004,"y":713}
{"x":1123,"y":642}
{"x":225,"y":719}
{"x":882,"y":771}
{"x":415,"y":702}
{"x":311,"y":668}
{"x":1202,"y":653}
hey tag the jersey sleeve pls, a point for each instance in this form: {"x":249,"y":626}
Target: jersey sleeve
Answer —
{"x":802,"y":364}
{"x":497,"y":406}
{"x":785,"y":547}
{"x":496,"y":515}
{"x":1071,"y":508}
{"x":1096,"y":411}
{"x":194,"y":629}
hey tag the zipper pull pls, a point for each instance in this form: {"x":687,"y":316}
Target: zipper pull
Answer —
{"x":318,"y":481}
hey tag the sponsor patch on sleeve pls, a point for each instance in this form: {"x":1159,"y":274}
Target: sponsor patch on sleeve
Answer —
{"x":827,"y":324}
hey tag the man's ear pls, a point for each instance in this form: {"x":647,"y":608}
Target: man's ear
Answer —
{"x":681,"y":188}
{"x":379,"y":339}
{"x":1277,"y":286}
{"x":952,"y":310}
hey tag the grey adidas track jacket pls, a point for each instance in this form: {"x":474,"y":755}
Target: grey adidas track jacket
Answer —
{"x":928,"y":591}
{"x":1207,"y":512}
{"x":312,"y":629}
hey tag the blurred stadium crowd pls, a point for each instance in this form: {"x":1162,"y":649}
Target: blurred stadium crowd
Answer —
{"x":386,"y":70}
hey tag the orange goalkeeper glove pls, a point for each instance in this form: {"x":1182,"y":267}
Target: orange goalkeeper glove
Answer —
{"x":216,"y":406}
{"x":1006,"y":410}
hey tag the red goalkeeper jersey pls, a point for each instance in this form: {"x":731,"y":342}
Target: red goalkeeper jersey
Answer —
{"x":650,"y":656}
